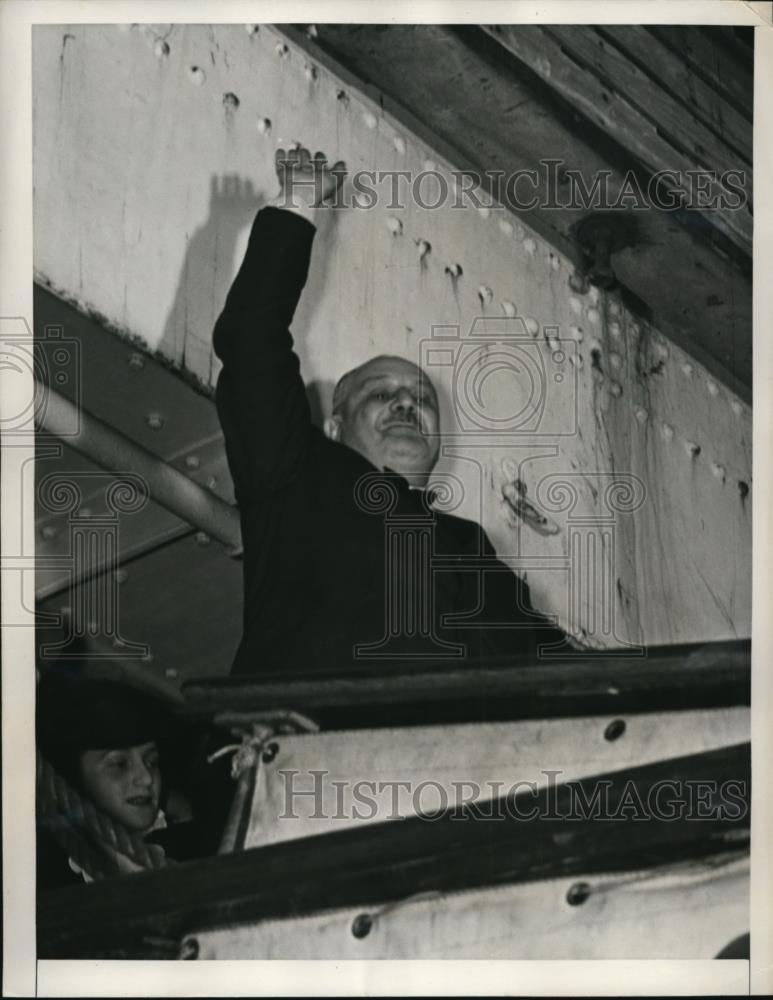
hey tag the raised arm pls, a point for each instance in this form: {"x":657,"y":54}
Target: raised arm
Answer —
{"x":260,"y":394}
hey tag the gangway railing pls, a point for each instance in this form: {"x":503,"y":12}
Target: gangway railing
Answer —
{"x":665,"y":678}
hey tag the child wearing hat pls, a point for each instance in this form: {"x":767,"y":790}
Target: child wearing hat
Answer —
{"x":105,"y":743}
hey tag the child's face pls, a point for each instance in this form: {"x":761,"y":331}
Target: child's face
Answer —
{"x":125,"y":783}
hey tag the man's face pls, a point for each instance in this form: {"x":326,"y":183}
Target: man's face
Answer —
{"x":124,"y":783}
{"x":391,"y":417}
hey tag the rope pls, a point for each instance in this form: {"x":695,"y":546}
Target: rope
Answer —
{"x":59,"y":800}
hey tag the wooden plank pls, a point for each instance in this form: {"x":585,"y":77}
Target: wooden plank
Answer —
{"x":543,"y":54}
{"x":667,"y":678}
{"x":677,"y":77}
{"x":392,"y":861}
{"x":673,"y":122}
{"x":704,"y":50}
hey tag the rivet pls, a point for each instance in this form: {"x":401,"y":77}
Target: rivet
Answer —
{"x":687,"y":369}
{"x":361,"y":925}
{"x":667,"y":431}
{"x":455,"y":270}
{"x":252,"y":29}
{"x":49,"y":531}
{"x":532,"y":325}
{"x":310,"y":72}
{"x":425,"y":247}
{"x":593,"y":315}
{"x":718,"y":471}
{"x":430,"y":166}
{"x":230,"y":100}
{"x":555,"y":263}
{"x":136,"y":362}
{"x":282,"y":50}
{"x":202,"y":538}
{"x":576,"y":360}
{"x":121,"y":575}
{"x":575,"y":305}
{"x":155,"y":421}
{"x":578,"y":282}
{"x":594,"y":295}
{"x":613,"y":690}
{"x":293,"y":144}
{"x":641,"y":415}
{"x":171,"y":673}
{"x":578,"y":893}
{"x":270,"y":752}
{"x":615,"y":361}
{"x":613,"y":309}
{"x":712,"y":387}
{"x":576,"y":332}
{"x":311,"y":31}
{"x":598,"y":375}
{"x":343,"y":97}
{"x":263,"y":126}
{"x":196,"y":75}
{"x":661,"y":350}
{"x":161,"y":48}
{"x":529,"y":245}
{"x":743,"y":489}
{"x":370,"y":119}
{"x":192,"y":461}
{"x":614,"y":730}
{"x":189,"y":950}
{"x":506,"y":226}
{"x":399,"y":143}
{"x":485,"y":294}
{"x":736,"y":407}
{"x":692,"y":449}
{"x":555,"y":346}
{"x":615,"y":389}
{"x":508,"y":308}
{"x":394,"y":225}
{"x":614,"y":329}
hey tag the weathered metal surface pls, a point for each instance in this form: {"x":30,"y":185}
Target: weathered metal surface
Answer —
{"x":156,"y":250}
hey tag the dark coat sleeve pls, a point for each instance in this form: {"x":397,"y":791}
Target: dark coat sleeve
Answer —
{"x":261,"y":398}
{"x":508,"y":599}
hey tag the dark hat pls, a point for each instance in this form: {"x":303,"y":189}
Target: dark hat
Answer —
{"x":78,"y":712}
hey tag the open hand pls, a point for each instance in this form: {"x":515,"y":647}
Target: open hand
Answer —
{"x":309,"y":177}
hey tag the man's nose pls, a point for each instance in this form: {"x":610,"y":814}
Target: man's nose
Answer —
{"x":403,"y":400}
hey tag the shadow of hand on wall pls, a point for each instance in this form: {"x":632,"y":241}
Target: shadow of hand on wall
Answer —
{"x":208,"y":268}
{"x":213,"y":255}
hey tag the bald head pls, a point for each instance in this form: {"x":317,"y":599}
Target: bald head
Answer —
{"x":387,"y":410}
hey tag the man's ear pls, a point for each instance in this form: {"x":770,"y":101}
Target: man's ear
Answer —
{"x":332,"y":428}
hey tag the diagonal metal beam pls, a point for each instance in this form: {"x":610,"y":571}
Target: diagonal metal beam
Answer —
{"x":117,"y":453}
